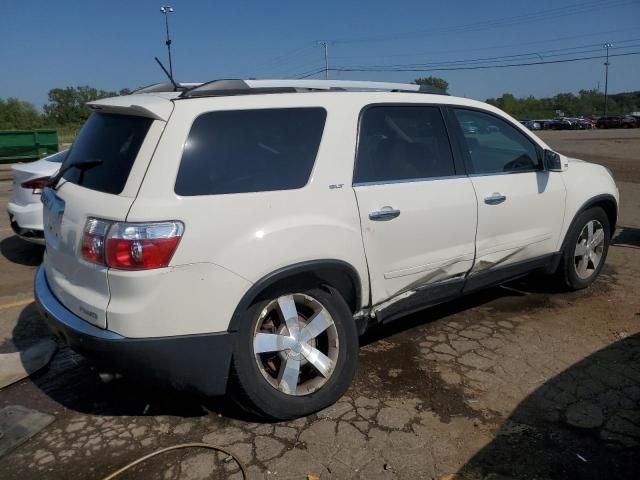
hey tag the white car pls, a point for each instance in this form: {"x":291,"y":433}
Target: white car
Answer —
{"x":240,"y":235}
{"x":25,"y":207}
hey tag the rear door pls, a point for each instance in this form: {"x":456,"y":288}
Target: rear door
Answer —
{"x":119,"y":147}
{"x":418,"y":213}
{"x":520,"y":205}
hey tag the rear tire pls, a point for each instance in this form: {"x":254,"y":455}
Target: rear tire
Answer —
{"x":585,"y":250}
{"x":284,"y":370}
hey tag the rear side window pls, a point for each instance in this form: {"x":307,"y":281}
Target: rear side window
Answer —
{"x":111,"y":143}
{"x":402,"y":143}
{"x":250,"y":151}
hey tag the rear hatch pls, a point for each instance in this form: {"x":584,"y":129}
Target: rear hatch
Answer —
{"x":112,"y":151}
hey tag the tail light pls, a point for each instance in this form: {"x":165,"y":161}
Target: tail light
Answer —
{"x":37,"y":184}
{"x":130,"y":246}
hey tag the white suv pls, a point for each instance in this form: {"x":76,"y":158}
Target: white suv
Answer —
{"x":243,"y":234}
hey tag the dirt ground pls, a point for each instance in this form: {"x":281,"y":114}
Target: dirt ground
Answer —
{"x":514,"y":382}
{"x":616,"y":149}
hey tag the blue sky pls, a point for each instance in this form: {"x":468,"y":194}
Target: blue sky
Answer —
{"x":111,"y":45}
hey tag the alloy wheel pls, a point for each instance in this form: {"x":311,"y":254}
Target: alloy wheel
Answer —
{"x":295,"y":344}
{"x":589,"y":249}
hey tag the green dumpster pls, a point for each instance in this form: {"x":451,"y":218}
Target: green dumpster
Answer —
{"x":27,"y":145}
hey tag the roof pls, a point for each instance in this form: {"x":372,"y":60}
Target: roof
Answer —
{"x":249,"y":87}
{"x":156,"y":101}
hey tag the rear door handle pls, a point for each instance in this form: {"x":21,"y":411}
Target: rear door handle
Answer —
{"x":386,"y":213}
{"x":495,"y":198}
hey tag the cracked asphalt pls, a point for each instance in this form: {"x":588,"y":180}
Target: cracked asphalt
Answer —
{"x":514,"y":382}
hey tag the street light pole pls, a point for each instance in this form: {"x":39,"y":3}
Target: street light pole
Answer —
{"x":166,"y":10}
{"x":606,"y":76}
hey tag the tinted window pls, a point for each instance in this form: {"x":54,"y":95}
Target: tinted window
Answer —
{"x":112,"y":141}
{"x":494,"y":145}
{"x":250,"y":151}
{"x":402,"y":143}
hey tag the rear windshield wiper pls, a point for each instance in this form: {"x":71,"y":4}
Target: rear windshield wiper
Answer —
{"x":81,"y":164}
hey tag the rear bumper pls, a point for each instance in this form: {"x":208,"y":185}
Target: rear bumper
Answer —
{"x":187,"y":362}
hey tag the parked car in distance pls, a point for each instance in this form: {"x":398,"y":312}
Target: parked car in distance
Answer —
{"x":225,"y":239}
{"x":617,"y":122}
{"x":580,"y":123}
{"x":25,"y":206}
{"x":545,"y":124}
{"x":531,"y":124}
{"x":562,"y":124}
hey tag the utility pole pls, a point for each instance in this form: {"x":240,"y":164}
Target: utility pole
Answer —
{"x":166,"y":10}
{"x":326,"y":59}
{"x":606,"y":76}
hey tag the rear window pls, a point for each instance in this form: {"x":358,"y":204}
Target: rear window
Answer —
{"x":112,"y":140}
{"x":250,"y":151}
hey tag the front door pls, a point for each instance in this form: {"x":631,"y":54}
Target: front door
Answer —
{"x":418,"y":215}
{"x":520,"y":205}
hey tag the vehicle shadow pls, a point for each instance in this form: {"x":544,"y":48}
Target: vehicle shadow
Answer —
{"x":583,"y":423}
{"x":527,"y":292}
{"x":626,"y":237}
{"x":73,"y":382}
{"x":20,"y":251}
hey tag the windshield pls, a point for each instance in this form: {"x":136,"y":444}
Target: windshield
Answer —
{"x":107,"y":145}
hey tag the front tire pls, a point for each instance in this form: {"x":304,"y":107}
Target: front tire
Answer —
{"x":296,"y":353}
{"x":586,"y":249}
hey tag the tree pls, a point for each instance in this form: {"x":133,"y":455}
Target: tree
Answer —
{"x":18,"y":115}
{"x":67,"y":106}
{"x":437,"y":82}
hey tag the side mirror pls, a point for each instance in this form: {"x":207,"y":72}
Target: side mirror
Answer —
{"x":553,"y":162}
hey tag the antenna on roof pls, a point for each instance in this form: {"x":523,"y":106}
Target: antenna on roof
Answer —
{"x":175,"y":85}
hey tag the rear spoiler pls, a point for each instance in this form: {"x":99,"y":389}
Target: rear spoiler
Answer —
{"x":151,"y":106}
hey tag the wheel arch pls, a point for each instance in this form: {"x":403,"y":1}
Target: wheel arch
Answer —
{"x":335,"y":273}
{"x":605,"y":201}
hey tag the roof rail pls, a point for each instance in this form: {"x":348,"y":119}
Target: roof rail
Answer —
{"x":165,"y":87}
{"x":249,"y":87}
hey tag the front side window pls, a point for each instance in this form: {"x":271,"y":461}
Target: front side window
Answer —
{"x":494,"y":145}
{"x":250,"y":151}
{"x":402,"y":143}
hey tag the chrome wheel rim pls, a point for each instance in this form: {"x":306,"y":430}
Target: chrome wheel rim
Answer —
{"x":295,"y":344}
{"x":589,"y":249}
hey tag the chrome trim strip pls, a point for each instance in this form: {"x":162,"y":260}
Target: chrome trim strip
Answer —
{"x":408,"y":180}
{"x":511,"y":172}
{"x":58,"y":312}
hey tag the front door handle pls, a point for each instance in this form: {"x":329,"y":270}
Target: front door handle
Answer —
{"x":385,"y":213}
{"x":495,"y":198}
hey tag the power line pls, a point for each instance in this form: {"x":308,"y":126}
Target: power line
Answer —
{"x":581,"y":49}
{"x":568,"y":10}
{"x":283,"y":58}
{"x":492,"y":47}
{"x":478,"y":67}
{"x":311,"y":73}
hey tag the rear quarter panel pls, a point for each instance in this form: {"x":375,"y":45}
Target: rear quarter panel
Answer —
{"x":249,"y":235}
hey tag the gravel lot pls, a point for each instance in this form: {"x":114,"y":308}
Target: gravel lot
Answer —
{"x":513,"y":382}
